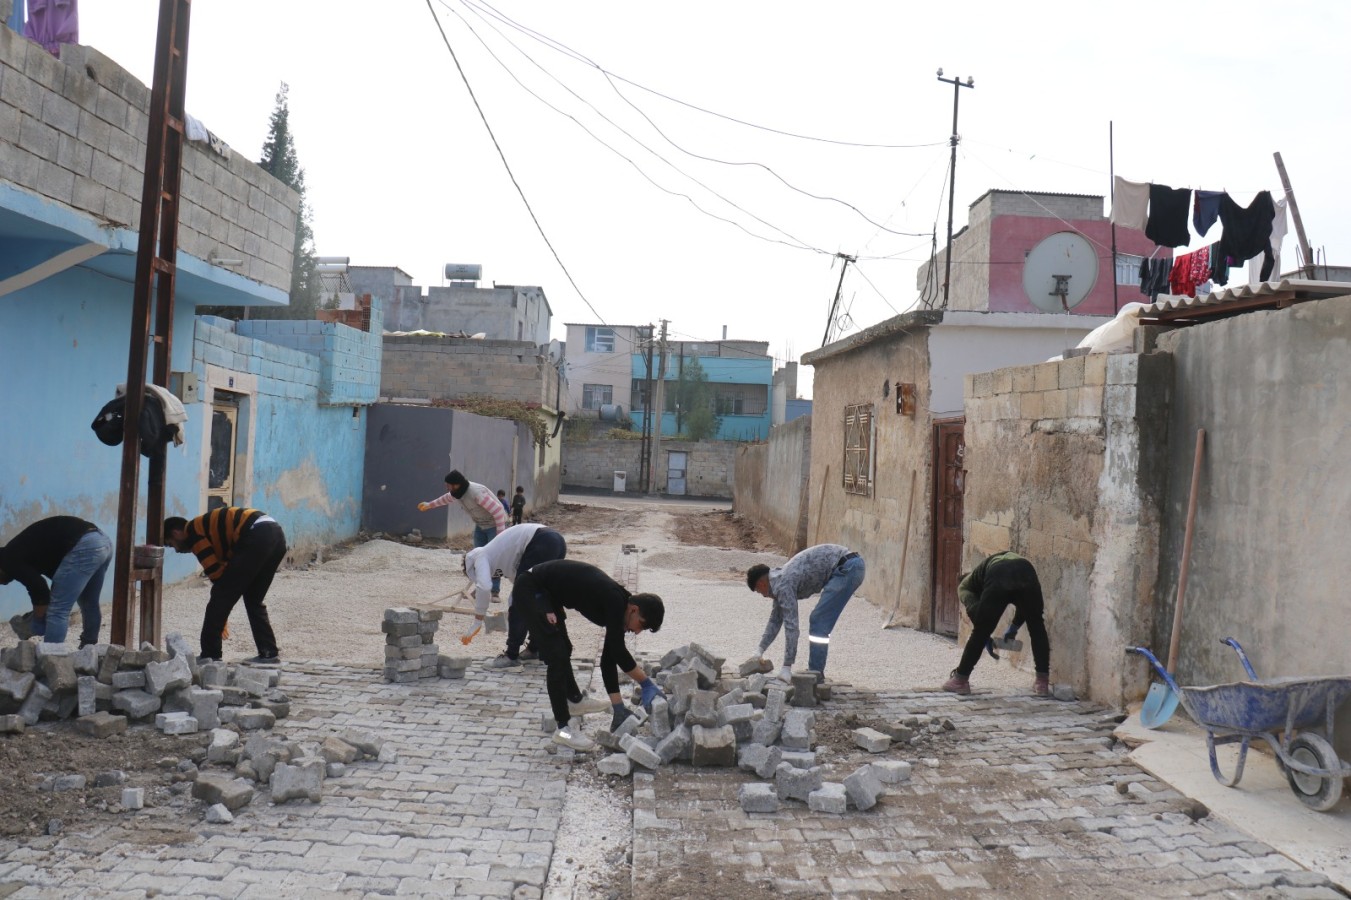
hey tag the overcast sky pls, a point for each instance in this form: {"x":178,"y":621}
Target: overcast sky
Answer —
{"x":779,"y":98}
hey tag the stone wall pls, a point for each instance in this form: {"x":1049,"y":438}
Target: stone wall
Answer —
{"x":591,"y":465}
{"x":1062,"y":468}
{"x":770,"y":485}
{"x":73,"y":130}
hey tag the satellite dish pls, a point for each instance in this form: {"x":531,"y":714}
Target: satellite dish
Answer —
{"x":1059,"y":272}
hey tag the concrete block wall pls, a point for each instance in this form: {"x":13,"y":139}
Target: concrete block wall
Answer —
{"x":73,"y":130}
{"x":1058,"y":469}
{"x":350,"y":359}
{"x":770,"y":483}
{"x":590,"y":465}
{"x":440,"y":368}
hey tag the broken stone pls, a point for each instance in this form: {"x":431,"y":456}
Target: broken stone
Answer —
{"x":1064,"y":692}
{"x":219,"y":814}
{"x":110,"y":779}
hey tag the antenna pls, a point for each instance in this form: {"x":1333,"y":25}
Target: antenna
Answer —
{"x":1059,"y":272}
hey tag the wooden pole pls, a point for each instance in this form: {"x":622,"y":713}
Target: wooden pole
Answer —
{"x":1307,"y":261}
{"x":820,"y":503}
{"x":905,"y":548}
{"x":1176,"y":637}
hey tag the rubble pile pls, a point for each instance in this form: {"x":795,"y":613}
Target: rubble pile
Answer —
{"x":411,"y":653}
{"x":758,"y":723}
{"x":229,"y":711}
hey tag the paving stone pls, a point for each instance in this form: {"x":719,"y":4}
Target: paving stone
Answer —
{"x":219,"y":814}
{"x":752,"y":756}
{"x":136,"y":704}
{"x":643,"y":755}
{"x":802,"y":759}
{"x":31,"y":708}
{"x":101,"y":724}
{"x":133,"y":797}
{"x":799,"y":729}
{"x":11,"y":724}
{"x":871,"y":740}
{"x":863,"y":787}
{"x":793,"y":783}
{"x":130,"y":678}
{"x":776,"y":701}
{"x":804,"y":688}
{"x":23,"y":657}
{"x":16,"y":685}
{"x":770,"y":764}
{"x":713,"y":746}
{"x":213,"y":789}
{"x":162,"y":677}
{"x":703,"y":709}
{"x":110,"y":778}
{"x":891,"y":771}
{"x":828,"y":798}
{"x":615,"y":764}
{"x":86,"y":660}
{"x":110,"y":663}
{"x":676,"y":745}
{"x":758,"y":797}
{"x":254,"y":719}
{"x":302,"y":781}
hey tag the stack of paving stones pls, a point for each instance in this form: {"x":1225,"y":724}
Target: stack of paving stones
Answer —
{"x":105,"y":688}
{"x":753,"y":721}
{"x":411,"y":653}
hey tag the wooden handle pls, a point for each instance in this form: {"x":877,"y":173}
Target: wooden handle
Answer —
{"x":1186,"y":552}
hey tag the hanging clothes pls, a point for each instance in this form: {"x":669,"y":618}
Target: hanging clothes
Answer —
{"x":1168,"y":207}
{"x":1189,"y":272}
{"x":1247,"y":231}
{"x":1205,"y":210}
{"x":1219,"y":265}
{"x":1154,"y":274}
{"x":1279,"y":225}
{"x":52,"y":23}
{"x":1130,"y":203}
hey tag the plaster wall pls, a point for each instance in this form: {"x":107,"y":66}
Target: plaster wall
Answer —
{"x":615,"y":369}
{"x":874,"y":525}
{"x":770,"y":483}
{"x":1061,"y":469}
{"x":590,"y":465}
{"x":1269,"y":564}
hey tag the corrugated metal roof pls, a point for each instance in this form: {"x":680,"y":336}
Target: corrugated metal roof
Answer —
{"x":1182,"y":310}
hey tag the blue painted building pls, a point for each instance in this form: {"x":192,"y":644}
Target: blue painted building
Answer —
{"x":739,"y":375}
{"x":276,"y":409}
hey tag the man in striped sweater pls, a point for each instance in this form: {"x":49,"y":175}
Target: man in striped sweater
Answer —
{"x":240,"y":550}
{"x":488,"y":513}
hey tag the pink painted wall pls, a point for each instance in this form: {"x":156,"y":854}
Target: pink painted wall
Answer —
{"x":1012,"y":237}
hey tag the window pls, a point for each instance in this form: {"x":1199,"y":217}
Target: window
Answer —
{"x":858,"y":447}
{"x":1128,"y":268}
{"x":730,"y":405}
{"x":638,"y":391}
{"x":594,"y":396}
{"x":600,"y":340}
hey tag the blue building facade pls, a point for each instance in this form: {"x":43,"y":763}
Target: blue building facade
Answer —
{"x":740,"y":385}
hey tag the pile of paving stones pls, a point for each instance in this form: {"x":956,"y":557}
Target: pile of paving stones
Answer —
{"x":107,"y":687}
{"x":756,"y":722}
{"x":411,"y":653}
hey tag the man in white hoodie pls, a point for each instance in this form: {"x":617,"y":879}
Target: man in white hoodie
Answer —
{"x":514,"y":550}
{"x":482,"y":505}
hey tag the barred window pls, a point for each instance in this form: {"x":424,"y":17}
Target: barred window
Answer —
{"x":858,"y":449}
{"x":594,"y":396}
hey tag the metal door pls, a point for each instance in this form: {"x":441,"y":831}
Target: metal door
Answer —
{"x":949,"y":484}
{"x":220,"y":474}
{"x":676,"y":462}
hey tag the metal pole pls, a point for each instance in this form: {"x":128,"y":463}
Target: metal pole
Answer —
{"x":835,"y":304}
{"x":659,"y":407}
{"x":1308,"y":262}
{"x":957,"y":86}
{"x":1111,"y":178}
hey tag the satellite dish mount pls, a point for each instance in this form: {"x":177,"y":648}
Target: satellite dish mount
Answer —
{"x":1059,"y":272}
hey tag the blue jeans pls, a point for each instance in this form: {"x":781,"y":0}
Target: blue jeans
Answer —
{"x":841,"y":585}
{"x":481,"y":537}
{"x":79,"y":579}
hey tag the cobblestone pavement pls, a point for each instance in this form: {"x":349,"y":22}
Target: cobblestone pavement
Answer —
{"x":1025,"y":798}
{"x":470,"y":807}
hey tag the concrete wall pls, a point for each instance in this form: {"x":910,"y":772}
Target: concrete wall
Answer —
{"x":73,"y":130}
{"x":770,"y":484}
{"x":896,"y":351}
{"x":590,"y":465}
{"x":1269,"y":564}
{"x":1063,"y":467}
{"x":442,"y":368}
{"x":503,"y":312}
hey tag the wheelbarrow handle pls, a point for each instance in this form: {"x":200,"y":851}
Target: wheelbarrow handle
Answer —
{"x":1158,"y":667}
{"x":1242,"y":657}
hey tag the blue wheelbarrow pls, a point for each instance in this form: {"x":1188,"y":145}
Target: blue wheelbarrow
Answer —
{"x":1244,"y":710}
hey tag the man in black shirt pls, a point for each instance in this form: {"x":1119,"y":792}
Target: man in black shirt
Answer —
{"x":546,"y":591}
{"x":74,"y":555}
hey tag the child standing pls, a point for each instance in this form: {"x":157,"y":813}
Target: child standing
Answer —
{"x":518,"y":506}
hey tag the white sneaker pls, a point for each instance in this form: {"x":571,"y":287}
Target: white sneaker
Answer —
{"x":502,"y":661}
{"x":588,"y":705}
{"x":567,"y":737}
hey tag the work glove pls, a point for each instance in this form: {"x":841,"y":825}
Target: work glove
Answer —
{"x":1012,"y":633}
{"x":471,"y":632}
{"x":650,"y":692}
{"x":423,"y":507}
{"x":786,"y":674}
{"x":621,"y":712}
{"x":989,"y":648}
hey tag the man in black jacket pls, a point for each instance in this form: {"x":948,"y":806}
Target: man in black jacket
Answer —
{"x":550,"y":588}
{"x":74,"y":555}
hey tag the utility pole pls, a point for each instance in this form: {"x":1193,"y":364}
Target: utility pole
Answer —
{"x":1308,"y":264}
{"x":645,"y":463}
{"x":957,"y":85}
{"x":659,"y":407}
{"x":835,"y":304}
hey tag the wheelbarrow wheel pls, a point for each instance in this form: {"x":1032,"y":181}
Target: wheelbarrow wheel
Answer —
{"x":1320,"y":792}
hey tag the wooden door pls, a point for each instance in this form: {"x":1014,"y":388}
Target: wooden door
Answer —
{"x":949,"y":484}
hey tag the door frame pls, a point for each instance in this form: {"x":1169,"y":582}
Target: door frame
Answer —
{"x":942,"y":428}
